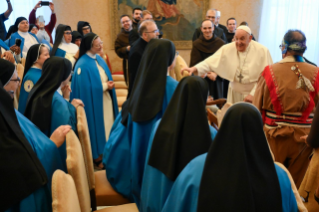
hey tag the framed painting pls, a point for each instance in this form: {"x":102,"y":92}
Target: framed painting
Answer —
{"x":176,"y":19}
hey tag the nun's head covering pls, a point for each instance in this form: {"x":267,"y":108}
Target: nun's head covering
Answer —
{"x":239,"y":172}
{"x":148,"y":91}
{"x":75,"y":35}
{"x":31,"y":26}
{"x":82,"y":24}
{"x":183,"y":132}
{"x":16,"y":181}
{"x":32,"y":56}
{"x":87,"y":42}
{"x":6,"y":71}
{"x":59,"y":36}
{"x":38,"y":109}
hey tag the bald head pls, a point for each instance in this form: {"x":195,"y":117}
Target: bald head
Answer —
{"x":207,"y":29}
{"x":148,"y":30}
{"x":211,"y":15}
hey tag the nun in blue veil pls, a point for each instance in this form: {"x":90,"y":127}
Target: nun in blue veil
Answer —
{"x":45,"y":107}
{"x":28,"y":157}
{"x":92,"y":82}
{"x":237,"y":174}
{"x":125,"y":152}
{"x":181,"y":135}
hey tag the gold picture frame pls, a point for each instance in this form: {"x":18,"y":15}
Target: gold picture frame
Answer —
{"x":179,"y":26}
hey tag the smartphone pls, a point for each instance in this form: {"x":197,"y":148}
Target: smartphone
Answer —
{"x":45,"y":3}
{"x":18,"y":42}
{"x":41,"y":19}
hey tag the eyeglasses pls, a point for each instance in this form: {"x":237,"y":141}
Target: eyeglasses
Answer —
{"x":123,"y":22}
{"x":16,"y":80}
{"x":97,"y":46}
{"x":155,"y":31}
{"x":68,"y":33}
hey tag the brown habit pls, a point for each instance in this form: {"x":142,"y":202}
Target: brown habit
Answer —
{"x":282,"y":133}
{"x":121,"y":42}
{"x":202,"y":49}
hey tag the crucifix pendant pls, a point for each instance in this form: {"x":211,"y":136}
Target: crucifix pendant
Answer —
{"x":240,"y":76}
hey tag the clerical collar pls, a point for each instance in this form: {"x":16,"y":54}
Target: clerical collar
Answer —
{"x":93,"y":56}
{"x":23,"y":34}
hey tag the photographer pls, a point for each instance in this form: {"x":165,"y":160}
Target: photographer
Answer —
{"x":45,"y":31}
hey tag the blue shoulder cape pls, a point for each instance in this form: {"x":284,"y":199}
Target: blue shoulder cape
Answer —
{"x":125,"y":152}
{"x":87,"y":86}
{"x":156,"y":186}
{"x":4,"y":45}
{"x":47,"y":152}
{"x":60,"y":53}
{"x":12,"y":40}
{"x":184,"y":194}
{"x":63,"y":113}
{"x":29,"y":80}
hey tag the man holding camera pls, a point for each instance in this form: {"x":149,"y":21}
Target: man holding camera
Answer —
{"x":45,"y":31}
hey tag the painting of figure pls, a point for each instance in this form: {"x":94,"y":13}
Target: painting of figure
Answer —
{"x":176,"y":19}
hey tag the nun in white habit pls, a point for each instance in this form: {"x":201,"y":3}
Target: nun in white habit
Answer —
{"x":62,"y":46}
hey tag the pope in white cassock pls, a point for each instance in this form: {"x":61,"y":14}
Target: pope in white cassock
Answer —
{"x":241,"y":62}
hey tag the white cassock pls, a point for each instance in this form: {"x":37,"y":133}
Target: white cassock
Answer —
{"x":70,"y":50}
{"x":241,"y":69}
{"x":29,"y":41}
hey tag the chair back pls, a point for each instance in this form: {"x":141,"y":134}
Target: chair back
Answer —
{"x":20,"y":70}
{"x":76,"y":168}
{"x":23,"y":61}
{"x":121,"y":89}
{"x":212,"y":119}
{"x":310,"y":183}
{"x":84,"y":137}
{"x":180,"y":64}
{"x":221,"y":113}
{"x":64,"y":196}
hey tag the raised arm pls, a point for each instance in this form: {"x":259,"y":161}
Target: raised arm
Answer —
{"x":32,"y":18}
{"x":9,"y":10}
{"x":52,"y":22}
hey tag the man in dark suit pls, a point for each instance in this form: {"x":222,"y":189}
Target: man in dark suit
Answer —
{"x":218,"y":32}
{"x":147,"y":31}
{"x":220,"y":25}
{"x":134,"y":36}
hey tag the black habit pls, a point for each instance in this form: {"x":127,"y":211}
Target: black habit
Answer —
{"x":201,"y":50}
{"x":134,"y":60}
{"x":239,"y":172}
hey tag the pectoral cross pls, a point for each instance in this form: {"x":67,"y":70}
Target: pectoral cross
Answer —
{"x":240,"y":76}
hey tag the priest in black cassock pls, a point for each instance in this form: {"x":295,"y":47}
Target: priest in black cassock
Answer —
{"x":206,"y":45}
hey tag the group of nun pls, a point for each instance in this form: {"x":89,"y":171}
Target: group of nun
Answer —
{"x":159,"y":151}
{"x":163,"y":155}
{"x":55,"y":82}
